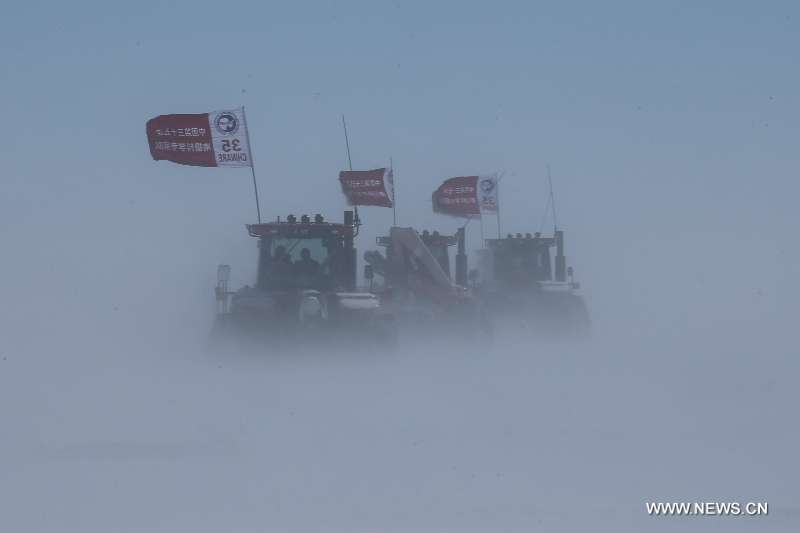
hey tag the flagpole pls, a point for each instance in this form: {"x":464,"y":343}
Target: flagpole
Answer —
{"x":394,"y":192}
{"x":349,"y":162}
{"x":499,"y":233}
{"x":347,"y":143}
{"x":252,"y":165}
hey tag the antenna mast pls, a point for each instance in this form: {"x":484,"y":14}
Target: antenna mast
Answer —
{"x":552,"y":200}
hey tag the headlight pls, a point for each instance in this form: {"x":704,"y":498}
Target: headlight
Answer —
{"x":311,"y":308}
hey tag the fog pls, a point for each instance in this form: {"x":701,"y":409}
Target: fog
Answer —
{"x":671,"y":134}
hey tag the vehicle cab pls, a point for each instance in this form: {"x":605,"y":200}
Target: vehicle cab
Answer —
{"x":305,"y":254}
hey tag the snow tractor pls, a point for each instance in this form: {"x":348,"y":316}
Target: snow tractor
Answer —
{"x":418,"y":287}
{"x":305,"y":288}
{"x":518,"y":278}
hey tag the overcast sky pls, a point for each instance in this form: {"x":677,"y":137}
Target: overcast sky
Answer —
{"x":671,"y":127}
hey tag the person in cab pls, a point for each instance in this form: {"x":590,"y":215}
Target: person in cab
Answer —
{"x":306,"y":267}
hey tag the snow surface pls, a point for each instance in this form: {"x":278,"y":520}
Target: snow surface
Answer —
{"x":135,"y":435}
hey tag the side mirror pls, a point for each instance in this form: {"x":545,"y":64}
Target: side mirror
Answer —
{"x":369,"y":273}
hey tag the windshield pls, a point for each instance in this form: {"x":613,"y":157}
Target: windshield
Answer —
{"x":522,"y":266}
{"x":296,"y":263}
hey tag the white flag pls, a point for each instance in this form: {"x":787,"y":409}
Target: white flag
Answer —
{"x":229,"y":138}
{"x":487,"y":193}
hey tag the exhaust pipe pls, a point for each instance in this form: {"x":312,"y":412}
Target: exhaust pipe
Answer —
{"x":461,"y":259}
{"x":561,"y":261}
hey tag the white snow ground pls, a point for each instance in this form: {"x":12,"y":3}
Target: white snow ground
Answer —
{"x":138,"y":433}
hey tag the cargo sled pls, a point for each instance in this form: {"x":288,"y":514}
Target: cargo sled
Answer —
{"x":418,"y":287}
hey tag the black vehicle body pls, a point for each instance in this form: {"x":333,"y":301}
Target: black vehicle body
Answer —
{"x":521,"y":281}
{"x":297,"y":299}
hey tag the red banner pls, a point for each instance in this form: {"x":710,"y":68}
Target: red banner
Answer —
{"x":457,"y":197}
{"x":184,"y":139}
{"x":213,"y":139}
{"x":367,"y":187}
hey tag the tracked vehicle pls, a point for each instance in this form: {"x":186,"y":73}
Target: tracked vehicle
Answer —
{"x":522,"y":282}
{"x":305,"y":289}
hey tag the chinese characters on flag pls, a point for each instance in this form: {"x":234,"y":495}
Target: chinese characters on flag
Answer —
{"x":216,"y":139}
{"x":466,"y":196}
{"x":368,"y":187}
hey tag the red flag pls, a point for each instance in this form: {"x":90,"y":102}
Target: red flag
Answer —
{"x":457,"y":197}
{"x":368,"y":187}
{"x":213,"y":139}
